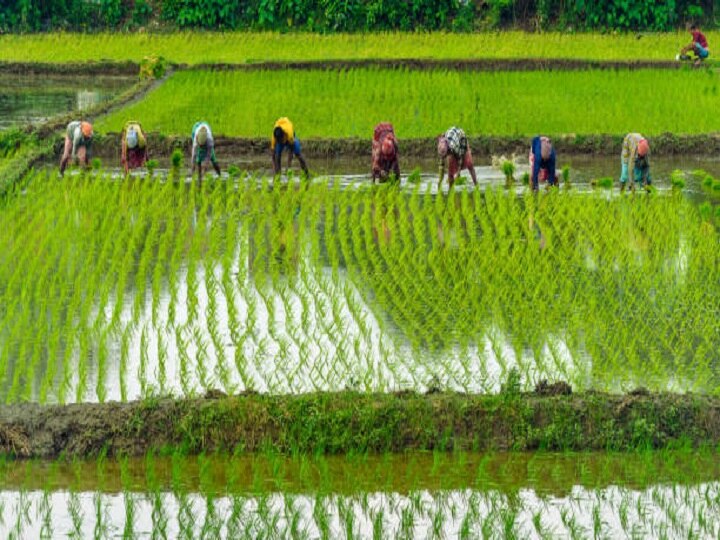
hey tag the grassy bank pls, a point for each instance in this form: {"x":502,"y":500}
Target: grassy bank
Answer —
{"x":240,"y":47}
{"x":358,"y":422}
{"x":419,"y":103}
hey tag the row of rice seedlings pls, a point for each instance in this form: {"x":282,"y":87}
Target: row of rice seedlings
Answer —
{"x":243,"y":47}
{"x":659,"y":512}
{"x":417,"y":104}
{"x":324,"y":288}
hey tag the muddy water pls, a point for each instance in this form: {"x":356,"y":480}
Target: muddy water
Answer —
{"x":34,"y":99}
{"x":411,"y":495}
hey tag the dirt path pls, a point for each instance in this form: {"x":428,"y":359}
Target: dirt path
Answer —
{"x":333,"y":423}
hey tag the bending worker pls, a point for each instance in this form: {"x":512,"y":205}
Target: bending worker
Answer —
{"x":542,"y":162}
{"x":284,"y":138}
{"x":698,"y":45}
{"x":384,"y":152}
{"x":453,"y":148}
{"x":78,"y":143}
{"x":203,"y":148}
{"x":635,"y":161}
{"x":134,"y":151}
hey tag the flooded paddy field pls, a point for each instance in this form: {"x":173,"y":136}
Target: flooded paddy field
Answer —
{"x":31,"y":100}
{"x":122,"y":290}
{"x":426,"y":495}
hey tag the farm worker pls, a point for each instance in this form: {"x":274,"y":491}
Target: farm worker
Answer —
{"x":284,"y":138}
{"x":384,"y":152}
{"x":542,"y":162}
{"x":203,"y":148}
{"x":453,"y":148}
{"x":635,"y":161}
{"x":134,"y":151}
{"x":698,"y":45}
{"x":78,"y":143}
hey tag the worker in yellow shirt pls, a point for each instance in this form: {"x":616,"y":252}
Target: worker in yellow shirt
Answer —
{"x":284,"y":137}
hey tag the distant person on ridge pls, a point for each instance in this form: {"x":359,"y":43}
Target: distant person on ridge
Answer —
{"x":698,"y":45}
{"x":284,"y":138}
{"x":134,"y":152}
{"x":384,"y":153}
{"x":635,"y":161}
{"x":203,"y":148}
{"x":542,"y":162}
{"x":453,"y":148}
{"x":78,"y":143}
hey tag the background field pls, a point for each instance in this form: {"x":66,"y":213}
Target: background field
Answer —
{"x":425,"y":103}
{"x":240,"y":47}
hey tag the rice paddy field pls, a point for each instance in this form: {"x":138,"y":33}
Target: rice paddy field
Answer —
{"x":330,"y":302}
{"x":242,"y":47}
{"x":349,"y":103}
{"x":411,"y":496}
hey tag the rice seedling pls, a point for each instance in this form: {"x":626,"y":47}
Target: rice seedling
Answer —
{"x":149,"y":286}
{"x":242,"y":47}
{"x":418,"y":105}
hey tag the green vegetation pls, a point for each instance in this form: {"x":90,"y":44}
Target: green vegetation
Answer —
{"x":126,"y":289}
{"x":358,"y":15}
{"x":410,"y":496}
{"x":350,"y":103}
{"x":239,"y":48}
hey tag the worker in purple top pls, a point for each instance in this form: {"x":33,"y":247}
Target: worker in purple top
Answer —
{"x":698,"y":45}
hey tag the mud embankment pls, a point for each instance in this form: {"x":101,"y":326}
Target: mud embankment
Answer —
{"x":108,"y":67}
{"x":161,"y":146}
{"x":348,"y":422}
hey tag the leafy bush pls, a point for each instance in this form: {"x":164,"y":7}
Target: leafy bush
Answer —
{"x":355,"y":15}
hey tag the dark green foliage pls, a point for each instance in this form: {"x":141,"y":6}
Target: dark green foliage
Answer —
{"x":355,"y":15}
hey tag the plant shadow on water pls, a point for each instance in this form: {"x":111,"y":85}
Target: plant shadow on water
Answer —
{"x":361,"y":496}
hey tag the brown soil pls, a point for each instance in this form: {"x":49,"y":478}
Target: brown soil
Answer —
{"x":105,"y":67}
{"x":108,"y":146}
{"x":79,"y":68}
{"x":475,"y":64}
{"x":347,"y":421}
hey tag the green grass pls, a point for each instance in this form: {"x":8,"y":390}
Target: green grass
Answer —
{"x":425,"y":103}
{"x":194,"y":48}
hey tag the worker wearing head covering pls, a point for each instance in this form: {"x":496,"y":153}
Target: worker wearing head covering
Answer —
{"x":635,"y":161}
{"x":453,"y":147}
{"x":542,"y":162}
{"x":133,"y":150}
{"x":78,"y":143}
{"x":284,"y":138}
{"x":203,"y":148}
{"x":384,"y":152}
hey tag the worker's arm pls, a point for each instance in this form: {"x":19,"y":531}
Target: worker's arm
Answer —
{"x":442,"y":170}
{"x":396,"y":169}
